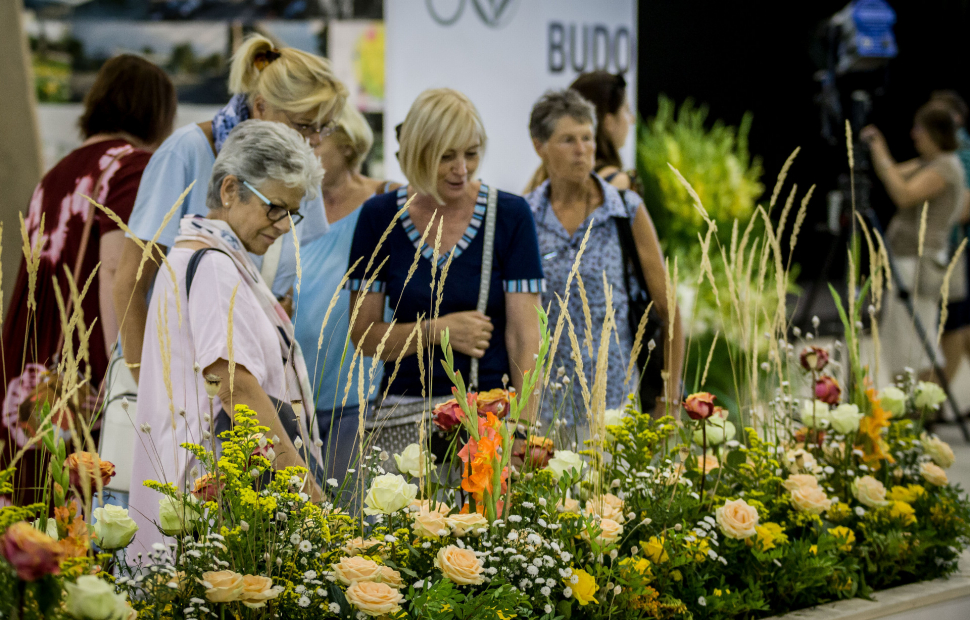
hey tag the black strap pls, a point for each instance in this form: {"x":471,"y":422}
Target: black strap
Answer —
{"x":193,"y":266}
{"x":611,"y":175}
{"x":628,"y":247}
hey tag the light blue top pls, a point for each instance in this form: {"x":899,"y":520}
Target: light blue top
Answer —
{"x":184,"y":157}
{"x":324,"y":263}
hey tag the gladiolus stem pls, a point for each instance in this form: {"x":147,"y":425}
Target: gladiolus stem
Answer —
{"x":704,"y":467}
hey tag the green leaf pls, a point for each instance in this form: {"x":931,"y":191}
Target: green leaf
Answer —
{"x":736,"y":458}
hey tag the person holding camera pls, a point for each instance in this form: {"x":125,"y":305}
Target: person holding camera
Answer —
{"x":928,"y":192}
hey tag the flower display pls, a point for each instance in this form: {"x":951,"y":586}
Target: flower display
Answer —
{"x":845,"y":418}
{"x":356,"y":568}
{"x":938,"y":450}
{"x":206,"y":488}
{"x":718,"y":431}
{"x":411,"y":461}
{"x":933,"y":474}
{"x":494,"y":401}
{"x":222,"y":586}
{"x":893,"y":400}
{"x":374,"y":599}
{"x":565,"y":463}
{"x":928,"y":396}
{"x":448,"y":415}
{"x":177,"y":516}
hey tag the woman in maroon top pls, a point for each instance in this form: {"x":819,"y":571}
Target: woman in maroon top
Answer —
{"x":128,"y":112}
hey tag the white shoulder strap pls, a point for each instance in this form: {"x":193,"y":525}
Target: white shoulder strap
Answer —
{"x":488,"y":254}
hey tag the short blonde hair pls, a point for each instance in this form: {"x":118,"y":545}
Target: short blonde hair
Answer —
{"x":354,"y":131}
{"x":286,"y":78}
{"x":439,"y":120}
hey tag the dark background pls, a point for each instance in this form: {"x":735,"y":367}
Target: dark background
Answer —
{"x":761,"y":56}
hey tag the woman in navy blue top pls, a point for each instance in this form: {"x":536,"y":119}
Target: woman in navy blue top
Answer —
{"x":442,"y":139}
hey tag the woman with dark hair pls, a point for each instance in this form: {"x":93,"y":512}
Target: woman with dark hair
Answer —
{"x":918,"y":235}
{"x":128,"y":112}
{"x":607,"y":93}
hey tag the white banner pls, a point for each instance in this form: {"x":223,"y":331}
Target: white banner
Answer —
{"x":503,"y":54}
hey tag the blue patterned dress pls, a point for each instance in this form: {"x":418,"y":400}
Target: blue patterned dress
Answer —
{"x":602,"y":255}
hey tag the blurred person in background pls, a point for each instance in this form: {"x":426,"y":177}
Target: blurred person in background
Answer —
{"x":607,"y":93}
{"x":563,"y":129}
{"x":283,"y":85}
{"x":127,"y":113}
{"x":257,"y":185}
{"x":934,"y":178}
{"x":956,"y":331}
{"x":442,"y":142}
{"x":324,"y":263}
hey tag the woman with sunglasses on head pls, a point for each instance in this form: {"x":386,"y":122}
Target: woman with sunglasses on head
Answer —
{"x":257,"y":185}
{"x":287,"y":86}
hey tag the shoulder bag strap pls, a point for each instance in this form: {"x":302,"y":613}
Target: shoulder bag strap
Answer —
{"x":193,"y":266}
{"x":85,"y":237}
{"x":488,"y":254}
{"x":628,"y":247}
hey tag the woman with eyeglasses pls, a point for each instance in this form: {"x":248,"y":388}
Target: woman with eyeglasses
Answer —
{"x":287,"y":86}
{"x":258,"y":182}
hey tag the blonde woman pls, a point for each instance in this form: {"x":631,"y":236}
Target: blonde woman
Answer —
{"x":325,"y":262}
{"x":442,"y":142}
{"x":282,"y":85}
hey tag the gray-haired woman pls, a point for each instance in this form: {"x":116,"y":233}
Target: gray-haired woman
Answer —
{"x":563,"y":129}
{"x":259,"y":178}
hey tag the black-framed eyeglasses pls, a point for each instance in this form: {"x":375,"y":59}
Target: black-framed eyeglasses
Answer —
{"x":309,"y":130}
{"x":275,"y":212}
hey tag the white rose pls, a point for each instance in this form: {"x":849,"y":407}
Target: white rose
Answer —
{"x":929,"y":395}
{"x":177,"y":516}
{"x":564,"y":462}
{"x":869,"y":492}
{"x":893,"y":400}
{"x":937,"y":449}
{"x":815,"y":414}
{"x":411,"y":462}
{"x":389,"y":493}
{"x":113,"y":528}
{"x":719,"y":430}
{"x":845,"y":419}
{"x":92,"y":598}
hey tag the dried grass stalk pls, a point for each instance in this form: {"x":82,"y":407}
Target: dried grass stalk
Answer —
{"x":710,"y":356}
{"x":884,"y":260}
{"x":945,"y":289}
{"x":598,"y":395}
{"x":693,"y":194}
{"x":32,"y":259}
{"x":146,"y":249}
{"x":576,"y":354}
{"x":799,"y":220}
{"x":386,"y":233}
{"x":354,"y":362}
{"x":333,"y":301}
{"x":587,"y":315}
{"x":922,"y":228}
{"x":296,"y":244}
{"x":400,"y":356}
{"x":638,"y":343}
{"x":560,"y":322}
{"x":785,"y":210}
{"x":417,"y":252}
{"x":780,"y":181}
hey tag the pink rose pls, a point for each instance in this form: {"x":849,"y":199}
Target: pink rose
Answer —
{"x":827,"y":390}
{"x":699,"y":406}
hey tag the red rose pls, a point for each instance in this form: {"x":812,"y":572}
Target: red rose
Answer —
{"x":699,"y":406}
{"x":827,"y":390}
{"x":814,"y":358}
{"x":448,"y":415}
{"x":32,"y":553}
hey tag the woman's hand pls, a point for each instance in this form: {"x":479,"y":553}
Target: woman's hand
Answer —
{"x":871,"y":135}
{"x":469,"y":332}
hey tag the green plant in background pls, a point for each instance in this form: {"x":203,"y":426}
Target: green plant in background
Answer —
{"x":52,"y":80}
{"x":715,"y":161}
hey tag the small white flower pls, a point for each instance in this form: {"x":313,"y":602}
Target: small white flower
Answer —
{"x":304,"y":601}
{"x":567,"y":592}
{"x":306,"y":547}
{"x":545,"y":591}
{"x":299,"y":589}
{"x":310,"y":574}
{"x":298,"y":443}
{"x":547,"y":608}
{"x":702,"y":601}
{"x":146,"y":427}
{"x":332,"y":482}
{"x":574,"y":579}
{"x":390,"y":539}
{"x":334,"y":608}
{"x":295,"y":538}
{"x":617,"y":590}
{"x":860,"y":511}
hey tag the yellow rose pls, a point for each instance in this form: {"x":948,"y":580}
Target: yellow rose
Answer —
{"x":374,"y":599}
{"x":356,"y":568}
{"x":607,"y":506}
{"x":429,"y":525}
{"x":800,"y":481}
{"x":222,"y":586}
{"x":869,"y":491}
{"x":845,"y":537}
{"x":903,"y":511}
{"x":462,"y":524}
{"x":585,"y":589}
{"x":655,"y":551}
{"x":459,"y":565}
{"x":610,"y":532}
{"x":737,"y":519}
{"x":810,"y":499}
{"x":357,"y":546}
{"x":391,"y":577}
{"x":938,"y":450}
{"x":933,"y":474}
{"x":769,"y":534}
{"x":257,"y":590}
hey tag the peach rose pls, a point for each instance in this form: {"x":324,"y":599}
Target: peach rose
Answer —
{"x":810,"y":499}
{"x":32,"y":553}
{"x":737,"y":519}
{"x":708,"y":463}
{"x":461,"y":566}
{"x":427,"y":505}
{"x":610,"y":532}
{"x":257,"y":590}
{"x":374,"y":599}
{"x":569,"y":504}
{"x":430,"y":524}
{"x":389,"y":576}
{"x":493,"y":401}
{"x":357,"y":546}
{"x":607,"y":506}
{"x":801,"y":460}
{"x":222,"y":586}
{"x":89,"y":466}
{"x":349,"y":570}
{"x":462,"y":524}
{"x":938,"y":450}
{"x":869,"y":491}
{"x":933,"y":474}
{"x":800,"y":481}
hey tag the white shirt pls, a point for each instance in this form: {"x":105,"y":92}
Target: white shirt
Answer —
{"x":203,"y":338}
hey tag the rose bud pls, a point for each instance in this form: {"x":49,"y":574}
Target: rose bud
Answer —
{"x":814,"y":358}
{"x":493,"y":401}
{"x":207,"y":488}
{"x":536,"y":452}
{"x":801,"y":435}
{"x":699,"y":406}
{"x":827,"y":390}
{"x":448,"y":415}
{"x":87,"y":467}
{"x":32,"y":553}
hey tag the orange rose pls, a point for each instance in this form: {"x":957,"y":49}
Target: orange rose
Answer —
{"x":88,"y":466}
{"x":800,"y":481}
{"x":32,"y":553}
{"x":607,"y":506}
